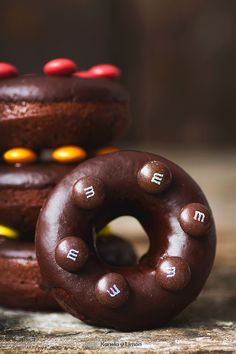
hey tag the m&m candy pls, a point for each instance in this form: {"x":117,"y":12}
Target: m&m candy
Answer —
{"x":60,"y":66}
{"x":7,"y":70}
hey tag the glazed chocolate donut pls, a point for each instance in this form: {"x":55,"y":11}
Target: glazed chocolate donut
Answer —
{"x":172,"y":210}
{"x":20,"y":278}
{"x":49,"y":112}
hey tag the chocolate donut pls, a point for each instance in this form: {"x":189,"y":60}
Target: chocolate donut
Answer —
{"x":47,"y":112}
{"x":172,"y":210}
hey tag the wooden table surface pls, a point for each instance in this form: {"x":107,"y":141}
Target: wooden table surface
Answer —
{"x":207,"y":325}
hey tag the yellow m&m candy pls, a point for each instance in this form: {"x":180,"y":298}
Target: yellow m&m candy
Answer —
{"x":8,"y":232}
{"x":69,"y":154}
{"x":106,"y":231}
{"x":20,"y":155}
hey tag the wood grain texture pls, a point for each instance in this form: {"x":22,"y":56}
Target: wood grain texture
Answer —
{"x":208,"y":325}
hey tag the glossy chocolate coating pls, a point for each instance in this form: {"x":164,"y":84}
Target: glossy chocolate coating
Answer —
{"x":88,"y":193}
{"x":173,"y":273}
{"x":195,"y":219}
{"x":48,"y":112}
{"x":37,"y":175}
{"x":112,"y":290}
{"x":35,"y":88}
{"x":149,"y":304}
{"x":154,"y":177}
{"x":71,"y":254}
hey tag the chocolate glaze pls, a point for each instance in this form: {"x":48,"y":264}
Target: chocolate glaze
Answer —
{"x":35,"y":88}
{"x":33,"y":176}
{"x":148,"y":304}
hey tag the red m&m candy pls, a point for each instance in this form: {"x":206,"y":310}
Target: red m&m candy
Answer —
{"x":105,"y":71}
{"x":60,"y":66}
{"x":83,"y":74}
{"x":7,"y":70}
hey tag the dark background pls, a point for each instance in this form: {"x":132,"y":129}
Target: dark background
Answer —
{"x":178,"y":58}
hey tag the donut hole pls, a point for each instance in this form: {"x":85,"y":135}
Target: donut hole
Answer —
{"x":123,"y":242}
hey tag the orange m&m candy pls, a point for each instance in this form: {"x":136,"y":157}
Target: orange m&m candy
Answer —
{"x":106,"y":150}
{"x":69,"y":154}
{"x":20,"y":155}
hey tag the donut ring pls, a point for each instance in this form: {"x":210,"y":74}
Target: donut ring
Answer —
{"x":175,"y":215}
{"x":54,"y":111}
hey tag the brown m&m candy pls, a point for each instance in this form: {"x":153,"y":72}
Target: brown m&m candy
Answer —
{"x":71,"y":254}
{"x":154,"y":177}
{"x":195,"y":219}
{"x":173,"y":273}
{"x":88,"y":192}
{"x":112,"y":290}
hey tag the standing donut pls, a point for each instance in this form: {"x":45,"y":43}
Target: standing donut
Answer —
{"x":175,"y":215}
